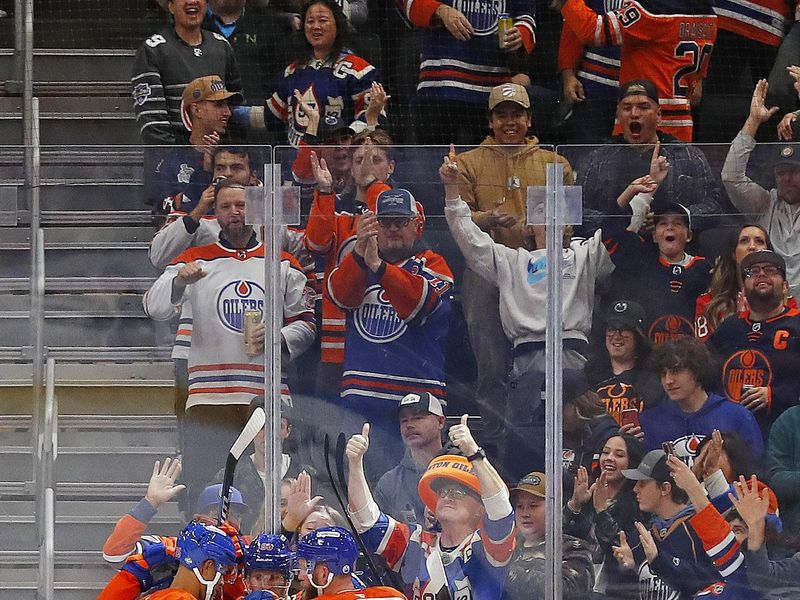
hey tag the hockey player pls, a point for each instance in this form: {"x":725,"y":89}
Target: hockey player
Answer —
{"x":147,"y":562}
{"x":207,"y":557}
{"x":669,"y":44}
{"x":221,"y":281}
{"x":760,"y":346}
{"x":327,"y":558}
{"x":268,"y":564}
{"x":469,"y":558}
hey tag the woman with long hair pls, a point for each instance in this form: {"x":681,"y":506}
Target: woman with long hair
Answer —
{"x":724,"y":296}
{"x":617,"y":370}
{"x":325,"y":74}
{"x":609,"y":504}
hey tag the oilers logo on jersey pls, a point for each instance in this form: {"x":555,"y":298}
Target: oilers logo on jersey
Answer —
{"x":482,"y":14}
{"x":235,"y":298}
{"x":376,"y":319}
{"x":747,"y":367}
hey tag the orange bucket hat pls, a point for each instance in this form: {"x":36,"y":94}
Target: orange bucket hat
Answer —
{"x":446,"y":467}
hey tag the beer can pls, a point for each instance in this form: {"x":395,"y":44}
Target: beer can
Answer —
{"x":504,"y":24}
{"x":251,"y":319}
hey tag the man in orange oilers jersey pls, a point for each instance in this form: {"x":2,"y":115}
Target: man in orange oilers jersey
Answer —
{"x":331,"y":228}
{"x":666,"y":41}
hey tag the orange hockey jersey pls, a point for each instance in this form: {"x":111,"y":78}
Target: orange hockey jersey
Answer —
{"x":373,"y":593}
{"x":331,"y":233}
{"x":671,"y":49}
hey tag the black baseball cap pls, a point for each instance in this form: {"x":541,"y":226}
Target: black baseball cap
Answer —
{"x":638,"y":87}
{"x":788,"y":154}
{"x":626,"y":314}
{"x":424,"y":402}
{"x":331,"y":127}
{"x":673,"y":208}
{"x":652,"y":466}
{"x":763,"y":256}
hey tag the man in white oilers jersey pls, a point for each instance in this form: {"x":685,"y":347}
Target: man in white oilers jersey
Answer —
{"x":221,"y":281}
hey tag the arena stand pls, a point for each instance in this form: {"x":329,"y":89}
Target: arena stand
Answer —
{"x":104,"y":413}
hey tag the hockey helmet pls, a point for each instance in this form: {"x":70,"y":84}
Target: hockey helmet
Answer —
{"x":269,"y":552}
{"x":333,"y":546}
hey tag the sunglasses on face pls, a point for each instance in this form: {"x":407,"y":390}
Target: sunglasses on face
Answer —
{"x":398,"y":222}
{"x":451,"y":492}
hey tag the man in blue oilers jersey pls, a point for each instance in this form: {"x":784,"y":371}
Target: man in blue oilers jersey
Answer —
{"x":397,"y":303}
{"x":222,"y":281}
{"x":761,"y":346}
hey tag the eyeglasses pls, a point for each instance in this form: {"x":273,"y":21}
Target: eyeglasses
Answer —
{"x":612,"y":331}
{"x":451,"y":492}
{"x":755,"y":270}
{"x":398,"y":222}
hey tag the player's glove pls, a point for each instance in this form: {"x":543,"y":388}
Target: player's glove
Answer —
{"x":154,"y":566}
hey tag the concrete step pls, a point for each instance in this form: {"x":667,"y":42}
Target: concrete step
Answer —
{"x":108,"y":331}
{"x":122,"y":431}
{"x":80,"y":570}
{"x":65,"y":65}
{"x":79,"y":525}
{"x":73,"y":121}
{"x":86,"y":464}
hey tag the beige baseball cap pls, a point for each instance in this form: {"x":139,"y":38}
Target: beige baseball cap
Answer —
{"x":509,"y":92}
{"x":210,"y":87}
{"x":533,"y":483}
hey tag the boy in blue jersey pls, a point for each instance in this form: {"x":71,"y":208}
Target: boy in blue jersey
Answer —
{"x":668,"y":554}
{"x":691,"y":413}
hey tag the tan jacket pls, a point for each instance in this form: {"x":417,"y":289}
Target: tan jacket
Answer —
{"x":494,"y":179}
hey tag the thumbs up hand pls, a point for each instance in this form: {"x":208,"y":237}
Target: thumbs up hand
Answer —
{"x":462,"y":438}
{"x":358,"y":445}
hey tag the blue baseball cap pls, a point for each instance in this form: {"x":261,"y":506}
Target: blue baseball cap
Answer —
{"x":211,"y":495}
{"x":397,"y":202}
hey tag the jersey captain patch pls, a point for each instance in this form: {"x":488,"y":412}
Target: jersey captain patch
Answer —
{"x":235,"y":298}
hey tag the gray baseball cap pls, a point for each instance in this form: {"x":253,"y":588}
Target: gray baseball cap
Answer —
{"x":652,"y":466}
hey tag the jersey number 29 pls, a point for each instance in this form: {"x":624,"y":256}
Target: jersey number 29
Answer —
{"x":699,"y":57}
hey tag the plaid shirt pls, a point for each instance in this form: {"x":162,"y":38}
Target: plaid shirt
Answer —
{"x":607,"y":171}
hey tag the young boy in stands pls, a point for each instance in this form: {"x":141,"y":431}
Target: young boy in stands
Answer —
{"x":667,"y":555}
{"x":663,"y":276}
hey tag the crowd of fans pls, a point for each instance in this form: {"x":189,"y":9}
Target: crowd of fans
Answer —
{"x":680,"y":380}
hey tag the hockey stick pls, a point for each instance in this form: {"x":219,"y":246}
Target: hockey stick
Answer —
{"x":343,"y":504}
{"x":254,"y":424}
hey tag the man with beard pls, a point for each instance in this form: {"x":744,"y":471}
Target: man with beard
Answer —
{"x":397,"y":301}
{"x":606,"y":172}
{"x":761,"y":346}
{"x":223,"y":281}
{"x":776,"y":210}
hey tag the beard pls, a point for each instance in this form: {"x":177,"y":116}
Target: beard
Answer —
{"x":763,"y":303}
